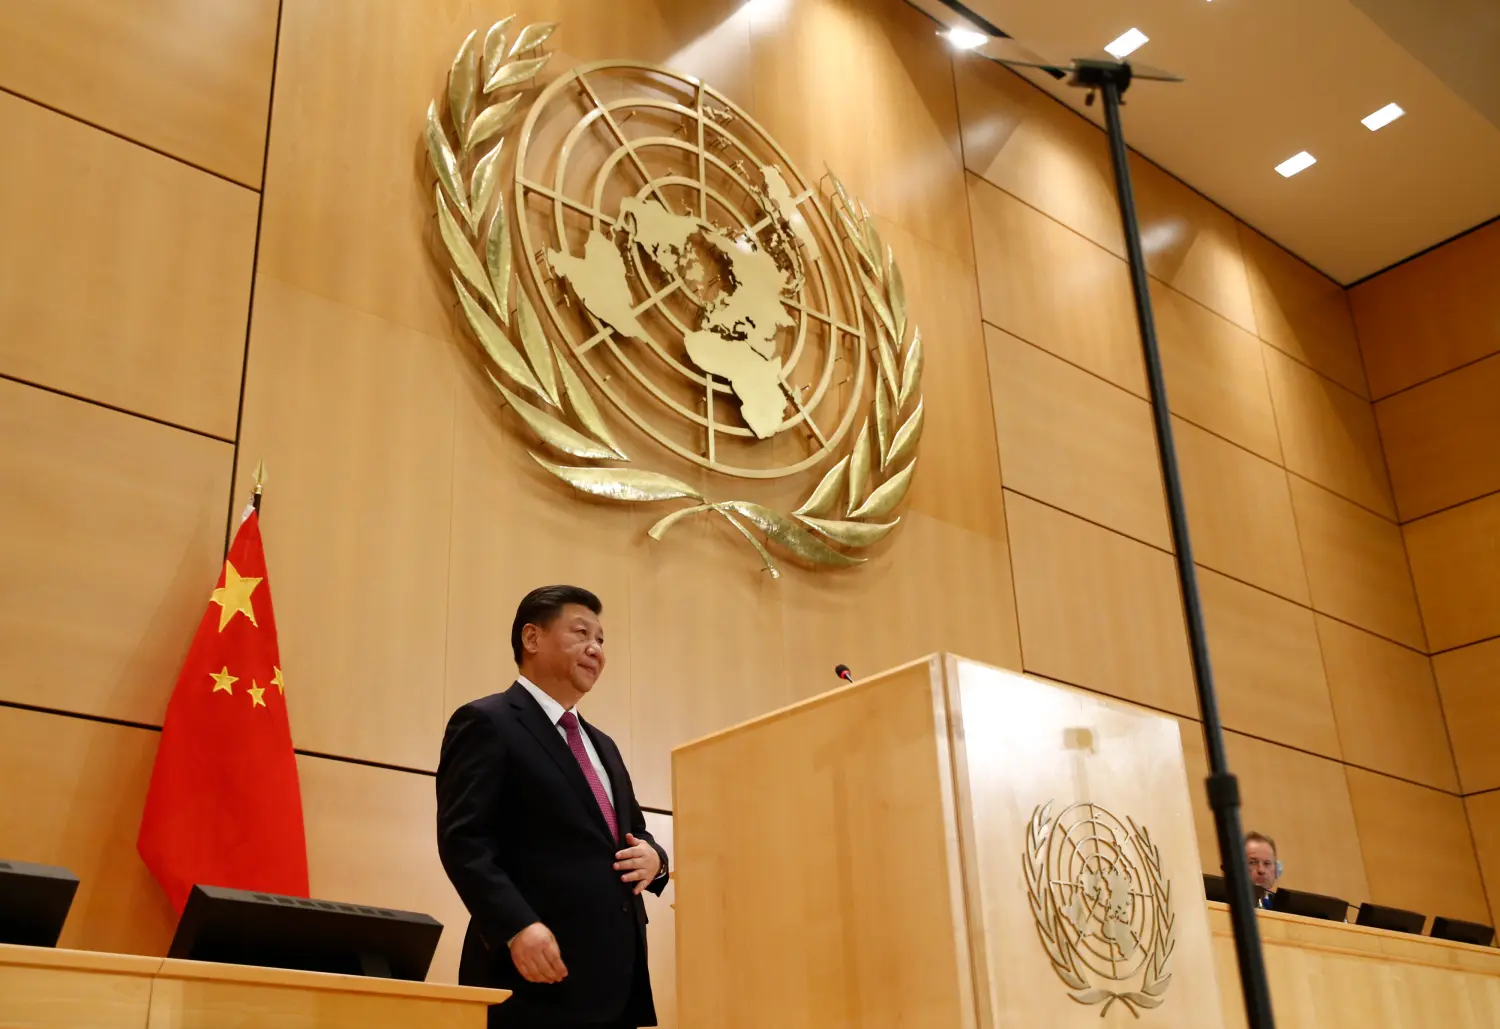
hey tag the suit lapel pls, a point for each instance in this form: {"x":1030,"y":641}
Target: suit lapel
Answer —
{"x":536,"y":723}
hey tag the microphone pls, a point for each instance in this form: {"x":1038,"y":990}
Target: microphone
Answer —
{"x":842,"y":671}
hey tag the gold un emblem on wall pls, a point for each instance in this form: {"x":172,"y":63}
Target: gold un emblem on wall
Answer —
{"x":658,"y":258}
{"x":1103,"y":908}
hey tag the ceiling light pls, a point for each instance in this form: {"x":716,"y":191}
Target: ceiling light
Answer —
{"x":965,"y":39}
{"x":1129,"y":42}
{"x":1383,"y":117}
{"x":1297,"y":162}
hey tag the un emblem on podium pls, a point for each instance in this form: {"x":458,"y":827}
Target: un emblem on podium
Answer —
{"x":1102,"y":906}
{"x":652,"y":280}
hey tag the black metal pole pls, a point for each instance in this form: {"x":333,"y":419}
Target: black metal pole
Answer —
{"x":1223,"y":788}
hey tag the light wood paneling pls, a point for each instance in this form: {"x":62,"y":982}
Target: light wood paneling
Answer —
{"x":1484,"y":823}
{"x":1239,"y":513}
{"x":113,"y":534}
{"x":1214,"y":373}
{"x":842,"y":776}
{"x":1386,"y":703}
{"x":1053,"y":288}
{"x":74,"y":791}
{"x":1442,"y":439}
{"x":1018,"y":138}
{"x":1455,"y":561}
{"x":1418,"y":850}
{"x":194,"y":80}
{"x":124,"y":275}
{"x":372,"y":839}
{"x":1467,"y":681}
{"x":1327,"y":975}
{"x":661,"y":930}
{"x":958,"y":480}
{"x":1430,"y":315}
{"x":354,"y":418}
{"x":1300,"y":800}
{"x":1267,"y":666}
{"x":1356,"y":564}
{"x":1075,"y":441}
{"x":1191,"y":243}
{"x":1022,"y":141}
{"x":1302,"y":312}
{"x":906,"y":164}
{"x":42,"y":988}
{"x":1098,"y":610}
{"x":1328,"y":434}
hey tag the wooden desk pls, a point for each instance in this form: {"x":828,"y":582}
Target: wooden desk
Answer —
{"x":1329,"y":975}
{"x":42,"y":988}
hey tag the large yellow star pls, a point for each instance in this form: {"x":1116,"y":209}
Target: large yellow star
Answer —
{"x":255,"y":694}
{"x":278,"y":682}
{"x":234,"y":596}
{"x":224,"y":681}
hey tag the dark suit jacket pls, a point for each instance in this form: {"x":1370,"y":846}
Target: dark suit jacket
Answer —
{"x":523,"y":840}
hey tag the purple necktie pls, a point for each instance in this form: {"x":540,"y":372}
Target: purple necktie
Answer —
{"x":569,"y":722}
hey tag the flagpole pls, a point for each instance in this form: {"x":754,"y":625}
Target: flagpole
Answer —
{"x":260,"y":483}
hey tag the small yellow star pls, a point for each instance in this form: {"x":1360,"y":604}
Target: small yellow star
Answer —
{"x":224,"y":681}
{"x":234,"y":596}
{"x":278,"y":682}
{"x":255,"y":694}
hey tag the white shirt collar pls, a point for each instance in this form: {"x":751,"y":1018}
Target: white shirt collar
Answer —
{"x":553,"y":710}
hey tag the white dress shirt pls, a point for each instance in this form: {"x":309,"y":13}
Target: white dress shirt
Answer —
{"x":554,"y":712}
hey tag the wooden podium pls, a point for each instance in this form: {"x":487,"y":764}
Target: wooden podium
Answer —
{"x":943,"y":845}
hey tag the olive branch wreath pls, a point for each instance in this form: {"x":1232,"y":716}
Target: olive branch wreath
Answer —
{"x":846,"y":508}
{"x":1049,"y":925}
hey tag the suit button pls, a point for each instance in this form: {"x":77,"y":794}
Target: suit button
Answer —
{"x":625,"y":907}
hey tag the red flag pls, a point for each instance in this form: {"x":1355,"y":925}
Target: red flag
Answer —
{"x":224,"y":808}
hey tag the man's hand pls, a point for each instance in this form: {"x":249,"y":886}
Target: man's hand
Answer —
{"x":640,"y":862}
{"x":536,"y":955}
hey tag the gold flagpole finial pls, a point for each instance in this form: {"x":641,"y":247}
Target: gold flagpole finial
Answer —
{"x":260,"y":476}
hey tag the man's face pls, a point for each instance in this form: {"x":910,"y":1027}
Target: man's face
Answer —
{"x":570,"y":649}
{"x":1262,"y":861}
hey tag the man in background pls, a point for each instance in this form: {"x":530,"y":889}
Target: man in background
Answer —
{"x":1265,"y":869}
{"x":539,"y":831}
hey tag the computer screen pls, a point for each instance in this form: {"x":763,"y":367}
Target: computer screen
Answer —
{"x":34,"y":902}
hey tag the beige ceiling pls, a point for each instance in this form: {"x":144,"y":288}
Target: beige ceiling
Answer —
{"x":1267,"y":78}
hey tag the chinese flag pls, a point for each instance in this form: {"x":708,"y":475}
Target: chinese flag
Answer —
{"x":224,"y":808}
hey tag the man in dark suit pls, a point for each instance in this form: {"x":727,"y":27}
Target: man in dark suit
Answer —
{"x":1265,"y":868}
{"x":539,"y":830}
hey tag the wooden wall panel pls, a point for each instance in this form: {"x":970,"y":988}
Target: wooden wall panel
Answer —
{"x":1214,"y":373}
{"x":1053,"y":288}
{"x":1267,"y":667}
{"x":1442,"y":439}
{"x":661,"y":930}
{"x":354,"y":418}
{"x":1302,"y":312}
{"x":1072,"y":440}
{"x":1484,"y":823}
{"x":1431,"y":315}
{"x":1455,"y":562}
{"x":1300,"y":800}
{"x":113,"y":534}
{"x":1239,"y":513}
{"x":1356,"y":564}
{"x":1418,"y":851}
{"x":193,"y":81}
{"x":1328,"y":434}
{"x":124,"y":275}
{"x":1098,"y":610}
{"x":1386,"y":702}
{"x":1469,"y":683}
{"x":74,"y":792}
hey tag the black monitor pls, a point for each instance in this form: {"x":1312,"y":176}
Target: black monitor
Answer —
{"x":1463,"y":932}
{"x":1215,"y":888}
{"x":1378,"y":916}
{"x":1310,"y":905}
{"x":243,"y":927}
{"x":34,"y":902}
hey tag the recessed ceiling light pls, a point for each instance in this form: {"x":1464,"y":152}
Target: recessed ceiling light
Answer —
{"x":1129,"y":42}
{"x":1383,"y":117}
{"x":1297,"y":162}
{"x":965,"y":39}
